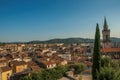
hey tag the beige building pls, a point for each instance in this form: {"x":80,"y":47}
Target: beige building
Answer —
{"x":5,"y":73}
{"x":18,"y":66}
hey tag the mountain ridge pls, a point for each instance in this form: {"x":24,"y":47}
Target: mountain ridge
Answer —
{"x":73,"y":40}
{"x":65,"y":40}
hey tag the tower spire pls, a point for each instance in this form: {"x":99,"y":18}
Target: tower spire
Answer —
{"x":106,"y":35}
{"x":105,"y":24}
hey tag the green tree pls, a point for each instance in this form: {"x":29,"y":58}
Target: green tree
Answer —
{"x":48,"y":74}
{"x":109,"y":70}
{"x":37,"y":76}
{"x":60,"y":70}
{"x":79,"y":67}
{"x":53,"y":73}
{"x":106,"y":62}
{"x":108,"y":73}
{"x":96,"y":54}
{"x":26,"y":78}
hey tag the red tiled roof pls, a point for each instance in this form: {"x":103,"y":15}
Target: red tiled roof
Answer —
{"x":48,"y":62}
{"x":6,"y":68}
{"x":105,"y":50}
{"x":35,"y":68}
{"x":31,"y":63}
{"x":18,"y":63}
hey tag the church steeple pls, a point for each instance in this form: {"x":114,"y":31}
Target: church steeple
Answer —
{"x":106,"y":35}
{"x":105,"y":27}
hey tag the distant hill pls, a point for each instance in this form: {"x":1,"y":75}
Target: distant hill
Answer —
{"x":72,"y":40}
{"x":2,"y":44}
{"x":114,"y":39}
{"x":66,"y":41}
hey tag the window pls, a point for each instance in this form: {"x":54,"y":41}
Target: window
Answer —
{"x":107,"y":37}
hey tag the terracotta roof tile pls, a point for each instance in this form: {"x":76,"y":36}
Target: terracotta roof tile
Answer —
{"x":48,"y":62}
{"x":35,"y":68}
{"x":6,"y":68}
{"x":105,"y":50}
{"x":18,"y":62}
{"x":31,"y":63}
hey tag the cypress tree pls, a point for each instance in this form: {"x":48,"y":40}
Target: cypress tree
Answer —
{"x":96,"y":54}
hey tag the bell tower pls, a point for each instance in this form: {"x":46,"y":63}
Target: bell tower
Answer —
{"x":106,"y":43}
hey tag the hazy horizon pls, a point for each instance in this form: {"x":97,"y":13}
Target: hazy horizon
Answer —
{"x":28,"y":20}
{"x":52,"y":39}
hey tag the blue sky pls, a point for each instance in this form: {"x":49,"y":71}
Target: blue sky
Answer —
{"x":26,"y":20}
